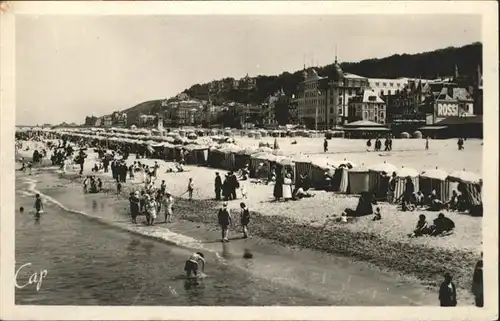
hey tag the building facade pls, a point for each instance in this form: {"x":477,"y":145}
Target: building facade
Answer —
{"x":107,"y":121}
{"x":367,"y":107}
{"x":119,"y":119}
{"x":147,"y":120}
{"x":312,"y":99}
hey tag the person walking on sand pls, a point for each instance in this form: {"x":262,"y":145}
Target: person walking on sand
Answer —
{"x":325,"y":146}
{"x":151,"y":208}
{"x":448,"y":292}
{"x":168,"y":207}
{"x":218,"y":186}
{"x":427,"y":143}
{"x":224,"y":221}
{"x":190,"y":189}
{"x":244,"y":219}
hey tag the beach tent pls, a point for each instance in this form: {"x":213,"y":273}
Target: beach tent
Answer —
{"x":242,"y":157}
{"x":401,"y":175}
{"x":318,"y":169}
{"x":359,"y":180}
{"x":264,"y":158}
{"x":469,"y":185}
{"x":375,"y":172}
{"x":302,"y":166}
{"x":434,"y":179}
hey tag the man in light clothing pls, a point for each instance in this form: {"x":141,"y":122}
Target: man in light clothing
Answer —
{"x":168,"y":205}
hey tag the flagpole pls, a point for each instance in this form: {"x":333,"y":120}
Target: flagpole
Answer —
{"x":317,"y":105}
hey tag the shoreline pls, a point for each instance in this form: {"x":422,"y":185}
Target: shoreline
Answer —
{"x":424,"y":264}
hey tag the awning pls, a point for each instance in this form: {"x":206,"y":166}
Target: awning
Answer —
{"x":433,"y":127}
{"x":367,"y":129}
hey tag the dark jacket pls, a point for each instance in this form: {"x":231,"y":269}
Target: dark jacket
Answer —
{"x":448,"y":295}
{"x":223,"y":216}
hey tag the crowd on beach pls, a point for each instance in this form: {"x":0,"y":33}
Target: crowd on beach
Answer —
{"x":149,"y":200}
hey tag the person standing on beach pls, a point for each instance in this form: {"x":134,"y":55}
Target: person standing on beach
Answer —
{"x":38,"y":204}
{"x":427,"y":143}
{"x":325,"y":145}
{"x":168,"y":207}
{"x":218,"y":186}
{"x":190,"y":189}
{"x":244,"y":219}
{"x":151,"y":208}
{"x":448,"y":292}
{"x":477,"y":283}
{"x":224,"y":221}
{"x":134,"y":206}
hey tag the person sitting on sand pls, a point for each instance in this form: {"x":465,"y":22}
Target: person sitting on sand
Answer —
{"x":193,"y":264}
{"x":453,"y":202}
{"x":442,"y":226}
{"x":419,"y":198}
{"x":179,"y":167}
{"x":377,"y":216}
{"x":343,"y":217}
{"x":422,"y":227}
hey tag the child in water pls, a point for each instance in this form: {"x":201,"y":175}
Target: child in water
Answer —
{"x":38,"y":205}
{"x":192,"y":264}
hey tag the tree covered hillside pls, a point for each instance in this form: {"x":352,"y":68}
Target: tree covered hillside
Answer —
{"x":428,"y":65}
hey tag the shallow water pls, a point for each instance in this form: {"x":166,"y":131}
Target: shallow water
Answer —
{"x":92,"y":263}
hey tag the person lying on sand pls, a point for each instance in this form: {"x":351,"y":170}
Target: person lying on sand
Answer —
{"x":300,"y":194}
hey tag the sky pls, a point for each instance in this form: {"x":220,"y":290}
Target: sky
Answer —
{"x":70,"y":66}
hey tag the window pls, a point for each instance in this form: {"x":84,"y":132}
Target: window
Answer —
{"x":391,"y":84}
{"x":340,"y":100}
{"x":377,"y":84}
{"x":365,"y":115}
{"x":389,"y":92}
{"x":382,"y":115}
{"x":381,"y":92}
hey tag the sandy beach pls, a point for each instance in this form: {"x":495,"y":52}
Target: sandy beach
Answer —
{"x":295,"y":223}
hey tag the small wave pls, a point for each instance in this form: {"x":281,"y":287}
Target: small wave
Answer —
{"x":162,"y":235}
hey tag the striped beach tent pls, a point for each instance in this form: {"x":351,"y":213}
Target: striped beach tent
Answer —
{"x":434,"y":179}
{"x":401,"y":175}
{"x":468,"y":184}
{"x":303,"y":166}
{"x":375,"y":172}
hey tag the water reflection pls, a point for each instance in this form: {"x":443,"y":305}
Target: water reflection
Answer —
{"x":226,"y":251}
{"x":37,"y":218}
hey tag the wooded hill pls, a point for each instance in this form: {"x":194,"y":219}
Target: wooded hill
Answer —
{"x":427,"y":65}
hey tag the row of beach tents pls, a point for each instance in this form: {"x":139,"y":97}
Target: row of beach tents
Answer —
{"x":347,"y":177}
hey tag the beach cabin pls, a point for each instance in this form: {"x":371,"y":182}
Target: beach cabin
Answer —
{"x":376,"y":171}
{"x":469,"y":185}
{"x":434,"y":179}
{"x":359,"y":180}
{"x":401,"y":175}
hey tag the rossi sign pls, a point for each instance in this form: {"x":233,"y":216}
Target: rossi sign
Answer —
{"x":446,"y":110}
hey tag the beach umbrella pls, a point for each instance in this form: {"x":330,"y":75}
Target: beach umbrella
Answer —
{"x":464,"y":176}
{"x":434,"y":174}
